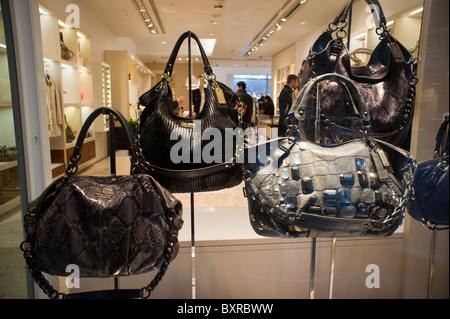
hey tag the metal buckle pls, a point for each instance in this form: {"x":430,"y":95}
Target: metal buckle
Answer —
{"x":443,"y":165}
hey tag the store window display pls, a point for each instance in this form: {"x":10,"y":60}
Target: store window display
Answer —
{"x":233,"y":231}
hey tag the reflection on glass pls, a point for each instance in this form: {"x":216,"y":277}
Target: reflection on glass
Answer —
{"x":12,"y":265}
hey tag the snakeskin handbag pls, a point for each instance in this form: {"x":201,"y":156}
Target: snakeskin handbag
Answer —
{"x":297,"y":188}
{"x":162,"y":135}
{"x":428,"y":202}
{"x":387,"y":83}
{"x":107,"y":226}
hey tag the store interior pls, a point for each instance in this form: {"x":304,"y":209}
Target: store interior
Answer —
{"x":108,"y":53}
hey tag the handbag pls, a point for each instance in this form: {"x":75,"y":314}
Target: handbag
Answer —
{"x":162,"y":135}
{"x":107,"y":226}
{"x":71,"y":134}
{"x":66,"y":53}
{"x":428,"y":200}
{"x":387,"y":83}
{"x":297,"y":188}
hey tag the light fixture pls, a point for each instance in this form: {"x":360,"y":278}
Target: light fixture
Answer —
{"x":63,"y":24}
{"x":80,"y":35}
{"x":147,"y":18}
{"x":274,"y":24}
{"x":2,"y":45}
{"x":43,"y":11}
{"x":415,"y":12}
{"x":390,"y":23}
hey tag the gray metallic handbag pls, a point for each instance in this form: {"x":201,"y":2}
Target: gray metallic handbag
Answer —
{"x":304,"y":189}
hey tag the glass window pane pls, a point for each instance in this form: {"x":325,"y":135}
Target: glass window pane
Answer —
{"x":13,"y":273}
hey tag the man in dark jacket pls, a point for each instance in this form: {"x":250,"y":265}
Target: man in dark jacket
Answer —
{"x":285,"y":102}
{"x":247,"y":100}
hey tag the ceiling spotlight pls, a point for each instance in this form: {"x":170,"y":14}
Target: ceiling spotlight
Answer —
{"x":274,"y":24}
{"x":153,"y":31}
{"x":150,"y":25}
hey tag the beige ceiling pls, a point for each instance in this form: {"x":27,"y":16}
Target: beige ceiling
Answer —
{"x":239,"y":21}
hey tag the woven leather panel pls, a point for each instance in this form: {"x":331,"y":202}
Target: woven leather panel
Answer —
{"x":158,"y":123}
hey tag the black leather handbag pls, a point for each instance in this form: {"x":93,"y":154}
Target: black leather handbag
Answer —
{"x":297,"y":188}
{"x":428,"y":200}
{"x":387,"y":83}
{"x":106,"y":226}
{"x":162,"y":135}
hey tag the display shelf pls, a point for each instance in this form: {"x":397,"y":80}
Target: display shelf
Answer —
{"x":74,"y":80}
{"x":129,"y":79}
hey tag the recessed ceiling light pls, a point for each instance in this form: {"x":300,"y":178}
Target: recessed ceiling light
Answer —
{"x":153,"y":31}
{"x":415,"y":12}
{"x":210,"y":33}
{"x":62,"y":24}
{"x":43,"y":11}
{"x":163,"y":42}
{"x":214,"y":22}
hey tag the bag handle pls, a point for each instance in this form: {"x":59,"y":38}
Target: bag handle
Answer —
{"x":299,"y":107}
{"x":442,"y":146}
{"x":169,"y":67}
{"x":377,"y":12}
{"x":76,"y":155}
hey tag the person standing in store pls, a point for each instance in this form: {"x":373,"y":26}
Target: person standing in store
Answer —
{"x":269,"y":108}
{"x":285,"y":100}
{"x":247,"y":100}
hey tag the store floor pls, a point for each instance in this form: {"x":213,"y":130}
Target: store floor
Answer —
{"x":12,"y":263}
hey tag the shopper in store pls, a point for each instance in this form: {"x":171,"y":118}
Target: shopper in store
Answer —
{"x":285,"y":100}
{"x":247,"y":100}
{"x":269,"y":108}
{"x":261,"y":103}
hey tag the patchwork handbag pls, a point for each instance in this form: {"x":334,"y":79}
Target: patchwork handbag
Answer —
{"x":387,"y":83}
{"x":174,"y":147}
{"x":106,"y":226}
{"x":428,"y":201}
{"x":297,"y":188}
